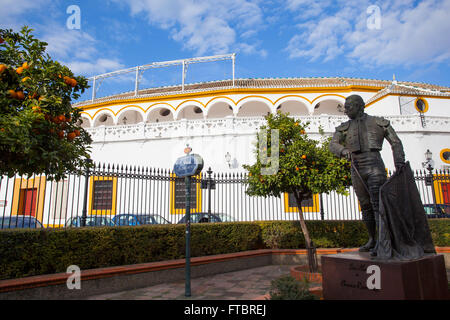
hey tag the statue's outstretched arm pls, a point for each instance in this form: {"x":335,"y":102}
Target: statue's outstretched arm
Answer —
{"x":396,"y":145}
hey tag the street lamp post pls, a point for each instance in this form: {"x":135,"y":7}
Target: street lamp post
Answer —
{"x":428,"y":165}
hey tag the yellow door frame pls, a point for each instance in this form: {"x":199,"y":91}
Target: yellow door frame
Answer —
{"x":34,"y":183}
{"x":198,"y":194}
{"x":104,"y":212}
{"x":315,"y":208}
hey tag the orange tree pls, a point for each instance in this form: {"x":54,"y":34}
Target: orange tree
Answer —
{"x":305,"y":167}
{"x":40,"y":132}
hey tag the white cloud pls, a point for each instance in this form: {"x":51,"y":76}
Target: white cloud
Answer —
{"x":210,"y":26}
{"x":78,"y":50}
{"x":12,"y":11}
{"x":98,"y":66}
{"x":410,"y":33}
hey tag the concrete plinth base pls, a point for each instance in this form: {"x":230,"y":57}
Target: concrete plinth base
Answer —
{"x":357,"y":276}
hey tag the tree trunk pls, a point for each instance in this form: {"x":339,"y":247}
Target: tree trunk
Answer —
{"x":311,"y":250}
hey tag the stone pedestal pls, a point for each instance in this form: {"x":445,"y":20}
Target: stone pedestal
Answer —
{"x":357,"y":276}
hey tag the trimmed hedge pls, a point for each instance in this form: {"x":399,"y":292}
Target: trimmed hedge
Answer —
{"x":335,"y":234}
{"x":34,"y":252}
{"x":27,"y":252}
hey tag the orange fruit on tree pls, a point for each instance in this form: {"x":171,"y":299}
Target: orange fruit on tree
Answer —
{"x":61,"y":134}
{"x":67,"y":80}
{"x":36,"y":109}
{"x":25,"y":79}
{"x":61,"y":118}
{"x":303,"y":156}
{"x":25,"y":65}
{"x":297,"y":168}
{"x":77,"y":132}
{"x":2,"y":68}
{"x":71,"y":136}
{"x":19,"y":70}
{"x":20,"y":95}
{"x":12,"y":94}
{"x":72,"y":82}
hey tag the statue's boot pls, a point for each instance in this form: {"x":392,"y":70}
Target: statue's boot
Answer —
{"x":371,"y":229}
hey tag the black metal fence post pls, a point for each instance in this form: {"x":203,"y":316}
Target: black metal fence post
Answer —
{"x":86,"y":187}
{"x":209,"y":172}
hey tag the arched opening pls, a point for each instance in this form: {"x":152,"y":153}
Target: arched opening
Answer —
{"x":253,"y":109}
{"x":161,"y":114}
{"x":104,"y":119}
{"x":219,"y":110}
{"x":330,"y":107}
{"x":129,"y":117}
{"x":294,"y":108}
{"x":84,"y":122}
{"x":190,"y":112}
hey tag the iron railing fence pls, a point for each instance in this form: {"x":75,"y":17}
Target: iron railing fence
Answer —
{"x":132,"y":195}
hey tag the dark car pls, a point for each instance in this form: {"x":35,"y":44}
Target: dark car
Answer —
{"x":19,"y":221}
{"x":200,"y":217}
{"x":437,"y":210}
{"x":91,"y":221}
{"x":128,"y":219}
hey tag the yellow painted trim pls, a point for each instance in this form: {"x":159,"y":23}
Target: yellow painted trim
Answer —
{"x":91,"y":211}
{"x":254,"y":96}
{"x":187,"y":101}
{"x":53,"y":225}
{"x":438,"y":188}
{"x":20,"y":184}
{"x":233,"y":91}
{"x":426,"y":104}
{"x":103,"y":109}
{"x":198,"y":193}
{"x":220,"y":97}
{"x":328,"y":94}
{"x":160,"y":103}
{"x":87,"y":114}
{"x":441,"y":154}
{"x":314,"y":208}
{"x":291,"y":96}
{"x":130,"y":106}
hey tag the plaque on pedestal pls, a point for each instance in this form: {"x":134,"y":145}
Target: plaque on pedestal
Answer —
{"x":357,"y":276}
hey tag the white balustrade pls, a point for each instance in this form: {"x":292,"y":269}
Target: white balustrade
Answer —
{"x":249,"y":125}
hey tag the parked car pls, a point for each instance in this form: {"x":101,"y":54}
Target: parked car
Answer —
{"x":91,"y":221}
{"x":200,"y":217}
{"x":128,"y":219}
{"x":19,"y":221}
{"x":437,"y":210}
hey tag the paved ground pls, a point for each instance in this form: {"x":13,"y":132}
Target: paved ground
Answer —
{"x":250,"y":284}
{"x":247,"y":284}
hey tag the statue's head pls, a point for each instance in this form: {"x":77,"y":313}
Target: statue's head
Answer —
{"x":354,"y":106}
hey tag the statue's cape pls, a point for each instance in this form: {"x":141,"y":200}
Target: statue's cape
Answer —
{"x":403,"y":230}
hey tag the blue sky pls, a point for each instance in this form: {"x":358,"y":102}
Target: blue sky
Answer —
{"x":272,"y":38}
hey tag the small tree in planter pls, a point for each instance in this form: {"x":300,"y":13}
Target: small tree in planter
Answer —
{"x":303,"y":167}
